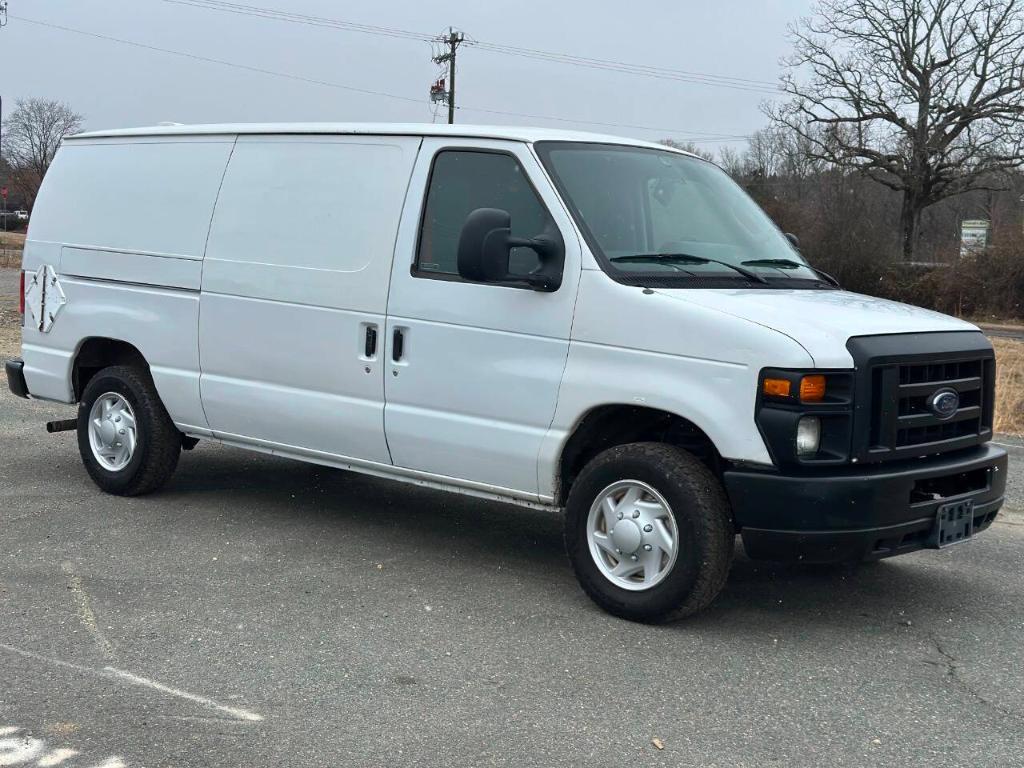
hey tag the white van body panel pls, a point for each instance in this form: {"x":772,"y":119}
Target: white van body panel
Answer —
{"x":475,"y":391}
{"x":823,"y":321}
{"x":287,"y":299}
{"x":159,"y":322}
{"x":142,"y":196}
{"x":124,"y":223}
{"x":641,"y":348}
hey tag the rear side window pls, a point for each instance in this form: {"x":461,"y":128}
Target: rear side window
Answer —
{"x":462,"y":181}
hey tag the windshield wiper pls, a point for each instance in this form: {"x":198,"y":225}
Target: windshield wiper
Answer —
{"x":684,"y":258}
{"x":790,"y":264}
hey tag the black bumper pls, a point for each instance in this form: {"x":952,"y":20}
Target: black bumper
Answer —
{"x":866,"y":512}
{"x":15,"y":370}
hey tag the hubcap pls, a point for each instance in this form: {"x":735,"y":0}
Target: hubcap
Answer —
{"x":112,"y":431}
{"x":633,"y":535}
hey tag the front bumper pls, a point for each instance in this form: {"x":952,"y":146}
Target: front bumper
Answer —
{"x":15,"y":370}
{"x":866,"y":512}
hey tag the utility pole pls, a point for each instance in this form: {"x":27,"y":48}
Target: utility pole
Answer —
{"x":3,"y":23}
{"x":452,"y":43}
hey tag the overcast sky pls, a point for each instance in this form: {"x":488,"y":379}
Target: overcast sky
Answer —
{"x":116,"y":85}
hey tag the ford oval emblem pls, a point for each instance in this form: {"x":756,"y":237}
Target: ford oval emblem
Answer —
{"x":944,"y":403}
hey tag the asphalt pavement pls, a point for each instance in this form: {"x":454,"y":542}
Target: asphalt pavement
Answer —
{"x":264,"y":612}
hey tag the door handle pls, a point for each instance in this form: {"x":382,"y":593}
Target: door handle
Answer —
{"x":370,"y":349}
{"x":397,"y":345}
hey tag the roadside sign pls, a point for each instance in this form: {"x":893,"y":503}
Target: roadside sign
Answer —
{"x":3,"y":192}
{"x":973,"y":236}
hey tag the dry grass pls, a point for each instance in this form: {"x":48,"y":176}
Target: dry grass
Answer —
{"x":14,"y":239}
{"x":12,"y":245}
{"x":1009,"y":386}
{"x":10,"y":320}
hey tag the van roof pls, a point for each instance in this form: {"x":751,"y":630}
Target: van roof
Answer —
{"x":512,"y":133}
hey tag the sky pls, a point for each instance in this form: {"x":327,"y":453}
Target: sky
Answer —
{"x":116,"y":85}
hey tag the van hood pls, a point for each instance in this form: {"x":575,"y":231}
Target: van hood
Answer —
{"x":820,"y":321}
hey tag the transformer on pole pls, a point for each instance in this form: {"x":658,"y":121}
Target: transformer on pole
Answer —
{"x":448,"y":45}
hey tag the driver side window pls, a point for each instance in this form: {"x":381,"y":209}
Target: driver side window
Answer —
{"x":462,"y":181}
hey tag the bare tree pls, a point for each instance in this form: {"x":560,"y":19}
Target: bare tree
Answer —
{"x":923,"y":96}
{"x":34,"y":132}
{"x":731,"y":161}
{"x":689,"y":146}
{"x":764,"y":155}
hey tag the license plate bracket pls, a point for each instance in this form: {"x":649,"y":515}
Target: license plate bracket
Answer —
{"x":954,"y":523}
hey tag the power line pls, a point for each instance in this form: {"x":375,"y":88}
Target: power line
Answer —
{"x":222,"y":62}
{"x":699,"y":136}
{"x":301,"y":18}
{"x":643,"y":70}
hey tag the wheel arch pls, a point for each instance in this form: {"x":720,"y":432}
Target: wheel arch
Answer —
{"x":608,"y":425}
{"x":98,"y":352}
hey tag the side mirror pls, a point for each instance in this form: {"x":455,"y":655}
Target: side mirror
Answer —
{"x":793,"y":240}
{"x":486,"y":243}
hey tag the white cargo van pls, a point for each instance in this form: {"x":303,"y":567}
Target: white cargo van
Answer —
{"x":550,"y":319}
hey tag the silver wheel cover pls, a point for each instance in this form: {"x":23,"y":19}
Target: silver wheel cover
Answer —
{"x":112,"y":431}
{"x":633,"y":535}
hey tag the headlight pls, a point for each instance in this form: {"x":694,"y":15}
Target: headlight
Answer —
{"x":808,"y":435}
{"x":806,"y":416}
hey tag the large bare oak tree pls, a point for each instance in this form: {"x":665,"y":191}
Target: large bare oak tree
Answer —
{"x":924,"y":96}
{"x":32,"y":135}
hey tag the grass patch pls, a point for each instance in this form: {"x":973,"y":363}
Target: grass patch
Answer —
{"x":1009,"y":386}
{"x":12,"y":245}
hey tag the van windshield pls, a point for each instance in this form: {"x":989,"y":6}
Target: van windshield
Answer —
{"x":656,"y":217}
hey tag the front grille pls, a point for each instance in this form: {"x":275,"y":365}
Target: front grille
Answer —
{"x":899,"y":375}
{"x":902,"y":421}
{"x":915,"y":423}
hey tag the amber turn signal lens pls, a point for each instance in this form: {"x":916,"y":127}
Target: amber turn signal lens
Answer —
{"x":776,"y":387}
{"x":812,"y":389}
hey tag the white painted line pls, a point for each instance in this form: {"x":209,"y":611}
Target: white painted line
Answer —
{"x":241,"y":714}
{"x":48,"y":660}
{"x":128,"y":677}
{"x":1006,"y":445}
{"x":56,"y":757}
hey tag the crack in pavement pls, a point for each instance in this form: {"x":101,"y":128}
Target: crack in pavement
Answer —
{"x":85,"y":612}
{"x":953,"y":672}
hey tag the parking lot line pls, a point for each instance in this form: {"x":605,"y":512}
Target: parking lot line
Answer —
{"x":132,"y":679}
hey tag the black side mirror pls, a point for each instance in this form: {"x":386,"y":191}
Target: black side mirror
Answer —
{"x":486,"y":243}
{"x":793,"y":240}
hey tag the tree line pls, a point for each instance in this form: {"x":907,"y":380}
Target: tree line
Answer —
{"x":900,"y":120}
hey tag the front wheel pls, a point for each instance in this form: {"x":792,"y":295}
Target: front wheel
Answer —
{"x":129,"y":444}
{"x":648,"y":530}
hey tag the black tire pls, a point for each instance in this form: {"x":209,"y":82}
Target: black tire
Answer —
{"x":703,"y":517}
{"x":158,"y":442}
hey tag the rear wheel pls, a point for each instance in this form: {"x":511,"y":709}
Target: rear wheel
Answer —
{"x":129,"y":444}
{"x":648,"y":532}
